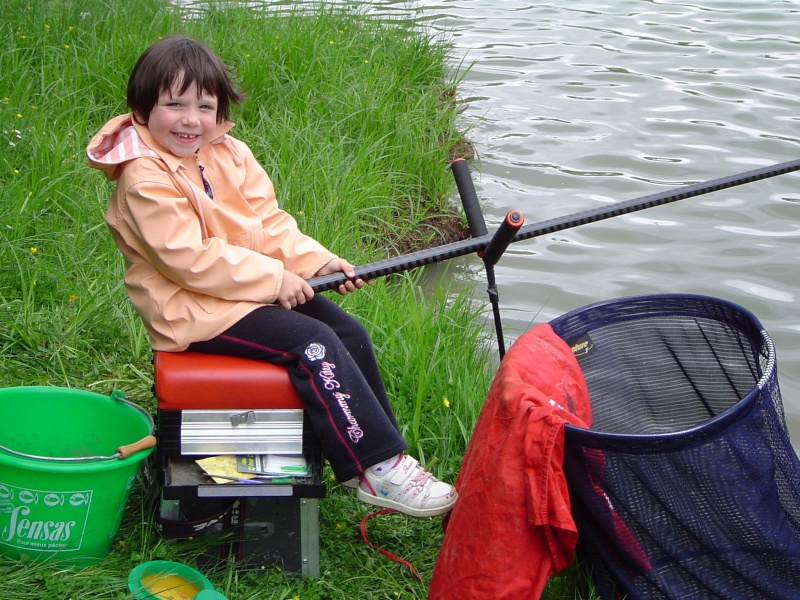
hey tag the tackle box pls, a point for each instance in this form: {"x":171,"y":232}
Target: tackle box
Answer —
{"x":212,"y":405}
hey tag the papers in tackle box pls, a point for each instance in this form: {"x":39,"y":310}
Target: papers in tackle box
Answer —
{"x":273,"y":465}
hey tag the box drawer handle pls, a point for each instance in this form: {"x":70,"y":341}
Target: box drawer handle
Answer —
{"x":243,"y":418}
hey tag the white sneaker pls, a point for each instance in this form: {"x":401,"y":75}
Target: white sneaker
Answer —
{"x":407,"y":488}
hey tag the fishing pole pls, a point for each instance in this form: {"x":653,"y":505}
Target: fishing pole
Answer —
{"x":478,"y":244}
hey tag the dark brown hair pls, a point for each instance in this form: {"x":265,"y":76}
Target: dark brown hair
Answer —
{"x":180,"y":60}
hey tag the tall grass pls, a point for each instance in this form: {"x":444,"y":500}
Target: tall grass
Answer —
{"x":353,"y":119}
{"x":344,"y":113}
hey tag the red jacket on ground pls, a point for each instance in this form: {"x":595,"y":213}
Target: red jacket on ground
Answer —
{"x":511,"y":528}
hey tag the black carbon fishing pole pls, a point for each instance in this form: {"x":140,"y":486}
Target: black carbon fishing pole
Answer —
{"x":479,"y":244}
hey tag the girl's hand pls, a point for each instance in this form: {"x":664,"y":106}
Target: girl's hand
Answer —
{"x":337,"y":265}
{"x":294,"y":291}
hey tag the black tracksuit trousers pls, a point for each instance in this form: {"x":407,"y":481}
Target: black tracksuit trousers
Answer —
{"x":330,"y":360}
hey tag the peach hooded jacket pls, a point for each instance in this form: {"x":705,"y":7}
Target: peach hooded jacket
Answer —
{"x":194,"y":265}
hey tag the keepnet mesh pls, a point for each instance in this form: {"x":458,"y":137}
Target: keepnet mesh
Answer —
{"x":686,"y":486}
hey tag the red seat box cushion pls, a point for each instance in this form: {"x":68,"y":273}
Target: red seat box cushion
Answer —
{"x":193,"y":380}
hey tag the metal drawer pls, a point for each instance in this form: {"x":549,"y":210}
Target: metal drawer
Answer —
{"x":182,"y":479}
{"x":208,"y":432}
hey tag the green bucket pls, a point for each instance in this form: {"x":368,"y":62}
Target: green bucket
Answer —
{"x":68,"y":462}
{"x":176,"y":580}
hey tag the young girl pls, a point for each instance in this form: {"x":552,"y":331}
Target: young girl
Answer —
{"x":213,"y":265}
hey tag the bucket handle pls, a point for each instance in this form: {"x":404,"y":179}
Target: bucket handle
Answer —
{"x":124,"y":451}
{"x":148,"y":441}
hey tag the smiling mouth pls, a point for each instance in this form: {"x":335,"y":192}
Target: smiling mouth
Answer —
{"x":186,"y":136}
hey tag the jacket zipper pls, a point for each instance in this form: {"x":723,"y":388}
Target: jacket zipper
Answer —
{"x":206,"y":185}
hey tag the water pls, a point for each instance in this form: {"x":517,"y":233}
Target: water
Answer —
{"x":575,"y":105}
{"x":578,"y":105}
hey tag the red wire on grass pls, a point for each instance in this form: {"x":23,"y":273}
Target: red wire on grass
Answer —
{"x":386,"y":553}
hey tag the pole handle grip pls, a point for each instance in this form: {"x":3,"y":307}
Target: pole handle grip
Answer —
{"x":469,"y":198}
{"x":502,"y":237}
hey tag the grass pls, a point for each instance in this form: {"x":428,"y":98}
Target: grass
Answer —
{"x":354,"y":120}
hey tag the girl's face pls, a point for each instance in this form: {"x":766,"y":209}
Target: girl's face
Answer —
{"x":182,"y":123}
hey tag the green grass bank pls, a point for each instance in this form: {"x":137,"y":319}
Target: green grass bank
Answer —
{"x":354,"y":120}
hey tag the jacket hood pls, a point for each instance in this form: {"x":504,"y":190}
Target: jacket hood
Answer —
{"x":122,"y":139}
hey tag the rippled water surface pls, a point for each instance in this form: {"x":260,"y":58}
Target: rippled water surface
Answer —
{"x":576,"y":105}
